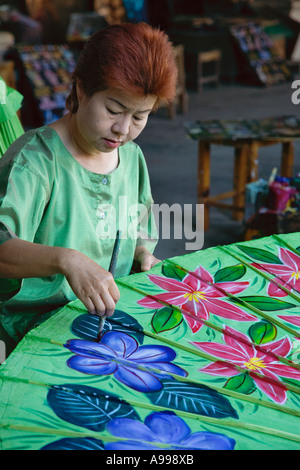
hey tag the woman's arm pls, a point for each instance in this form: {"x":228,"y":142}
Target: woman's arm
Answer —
{"x":92,"y":284}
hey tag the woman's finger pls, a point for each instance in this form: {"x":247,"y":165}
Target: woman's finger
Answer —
{"x":114,"y":292}
{"x":108,"y":302}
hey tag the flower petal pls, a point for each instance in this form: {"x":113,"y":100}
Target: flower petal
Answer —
{"x":130,"y":429}
{"x":276,"y":391}
{"x":223,"y":351}
{"x":193,"y":323}
{"x":290,"y":259}
{"x":281,"y":347}
{"x":220,"y":368}
{"x":205,"y":440}
{"x":194,"y":312}
{"x":227,"y":310}
{"x":233,"y":287}
{"x":167,"y":427}
{"x":195,"y":307}
{"x":170,"y":298}
{"x":284,"y":371}
{"x":168,"y":367}
{"x":169,"y":284}
{"x":153,"y":354}
{"x":91,"y":365}
{"x":293,"y":319}
{"x":89,"y":349}
{"x":124,"y":345}
{"x":137,"y":379}
{"x":239,"y":341}
{"x":193,"y":281}
{"x":130,"y":445}
{"x":276,"y":291}
{"x":283,"y":272}
{"x":149,"y":302}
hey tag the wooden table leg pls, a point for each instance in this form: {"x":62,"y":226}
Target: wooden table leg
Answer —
{"x":241,"y":161}
{"x":253,"y":162}
{"x":204,"y":178}
{"x":287,"y":159}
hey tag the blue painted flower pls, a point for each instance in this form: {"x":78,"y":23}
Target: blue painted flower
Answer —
{"x":119,"y":354}
{"x":166,"y":428}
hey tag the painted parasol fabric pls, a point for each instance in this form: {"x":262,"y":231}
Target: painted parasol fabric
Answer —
{"x":10,"y":125}
{"x":201,"y":353}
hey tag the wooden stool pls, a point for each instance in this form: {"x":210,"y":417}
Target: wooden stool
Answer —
{"x":214,"y":57}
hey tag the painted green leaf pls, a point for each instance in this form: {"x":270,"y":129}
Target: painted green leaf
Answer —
{"x":86,"y":326}
{"x":242,"y":383}
{"x":79,"y":443}
{"x":260,"y":255}
{"x":262,"y":332}
{"x":231,"y":273}
{"x":88,"y":407}
{"x":166,"y":319}
{"x":264,"y":303}
{"x":171,"y":271}
{"x":193,"y":398}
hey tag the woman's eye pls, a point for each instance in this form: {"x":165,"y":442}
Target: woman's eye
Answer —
{"x":112,"y":112}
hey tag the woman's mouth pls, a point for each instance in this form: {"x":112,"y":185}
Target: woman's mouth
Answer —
{"x":112,"y":143}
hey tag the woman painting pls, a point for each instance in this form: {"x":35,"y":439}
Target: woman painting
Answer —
{"x":66,"y":187}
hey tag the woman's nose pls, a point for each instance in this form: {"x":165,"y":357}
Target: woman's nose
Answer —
{"x":122,"y":125}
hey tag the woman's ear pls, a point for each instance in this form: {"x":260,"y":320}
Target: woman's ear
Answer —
{"x":79,"y":91}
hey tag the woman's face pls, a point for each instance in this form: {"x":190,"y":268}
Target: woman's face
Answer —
{"x":109,"y":119}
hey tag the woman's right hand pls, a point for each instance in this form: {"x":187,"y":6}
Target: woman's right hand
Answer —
{"x":91,"y":283}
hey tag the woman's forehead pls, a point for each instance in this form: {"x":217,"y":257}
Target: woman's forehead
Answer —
{"x":129,"y":101}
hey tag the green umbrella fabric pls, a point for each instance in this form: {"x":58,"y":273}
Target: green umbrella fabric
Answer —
{"x":10,"y":125}
{"x":201,"y":353}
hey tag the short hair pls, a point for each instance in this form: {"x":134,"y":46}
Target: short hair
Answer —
{"x":136,"y":58}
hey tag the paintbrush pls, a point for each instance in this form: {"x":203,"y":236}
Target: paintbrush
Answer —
{"x":112,"y":268}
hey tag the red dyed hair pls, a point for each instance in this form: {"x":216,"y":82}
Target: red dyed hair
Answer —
{"x":135,"y":58}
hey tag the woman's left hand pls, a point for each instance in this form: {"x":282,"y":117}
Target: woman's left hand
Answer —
{"x":144,"y":258}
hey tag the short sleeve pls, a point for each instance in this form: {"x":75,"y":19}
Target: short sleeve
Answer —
{"x":22,"y":202}
{"x":5,"y":233}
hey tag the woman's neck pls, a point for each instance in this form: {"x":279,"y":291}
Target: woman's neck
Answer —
{"x":92,"y":160}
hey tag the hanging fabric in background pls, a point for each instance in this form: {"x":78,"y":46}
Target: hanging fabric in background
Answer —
{"x":10,"y":125}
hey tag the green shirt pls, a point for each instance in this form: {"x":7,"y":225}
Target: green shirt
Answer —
{"x":47,"y":197}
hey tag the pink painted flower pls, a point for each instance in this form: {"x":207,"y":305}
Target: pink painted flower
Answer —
{"x":197,"y":298}
{"x":246,"y":356}
{"x":293,"y":319}
{"x":287,"y":274}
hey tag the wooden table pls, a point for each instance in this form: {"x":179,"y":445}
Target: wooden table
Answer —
{"x":246,"y":160}
{"x":245,"y":171}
